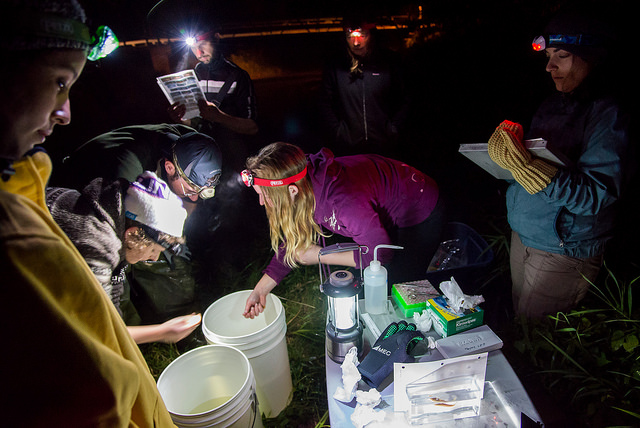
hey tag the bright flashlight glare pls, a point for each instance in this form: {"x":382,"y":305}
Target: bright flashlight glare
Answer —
{"x":190,"y":41}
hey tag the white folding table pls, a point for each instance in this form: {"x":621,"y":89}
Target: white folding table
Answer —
{"x":505,"y":402}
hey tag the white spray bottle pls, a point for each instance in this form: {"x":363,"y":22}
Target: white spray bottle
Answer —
{"x":375,"y":283}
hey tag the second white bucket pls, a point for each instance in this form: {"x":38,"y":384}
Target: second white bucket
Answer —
{"x":211,"y":386}
{"x":262,"y":340}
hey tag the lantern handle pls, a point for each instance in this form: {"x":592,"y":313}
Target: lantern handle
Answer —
{"x":339,"y":248}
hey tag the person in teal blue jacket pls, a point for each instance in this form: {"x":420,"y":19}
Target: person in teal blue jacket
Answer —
{"x":563,"y":216}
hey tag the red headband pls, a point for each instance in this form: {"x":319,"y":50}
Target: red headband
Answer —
{"x":250,"y":180}
{"x":204,"y":36}
{"x":364,"y":26}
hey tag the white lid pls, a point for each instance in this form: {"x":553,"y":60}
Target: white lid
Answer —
{"x":375,"y":265}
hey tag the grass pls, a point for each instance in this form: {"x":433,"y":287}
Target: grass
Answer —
{"x":588,"y":358}
{"x":305,"y":311}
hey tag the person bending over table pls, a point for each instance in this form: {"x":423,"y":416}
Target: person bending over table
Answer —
{"x":368,"y":198}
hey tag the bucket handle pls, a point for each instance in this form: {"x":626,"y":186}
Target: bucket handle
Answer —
{"x":254,"y":406}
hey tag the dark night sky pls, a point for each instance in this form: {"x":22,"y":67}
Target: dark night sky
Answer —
{"x":484,"y":59}
{"x":129,"y":18}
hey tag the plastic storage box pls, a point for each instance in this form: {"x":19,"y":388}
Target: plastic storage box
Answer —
{"x":463,"y":254}
{"x":412,"y":296}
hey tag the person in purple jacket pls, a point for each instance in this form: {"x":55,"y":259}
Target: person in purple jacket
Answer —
{"x":368,"y":198}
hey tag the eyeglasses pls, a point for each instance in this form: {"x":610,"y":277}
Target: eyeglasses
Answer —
{"x":206,"y":192}
{"x":154,"y":235}
{"x":249,"y":180}
{"x":186,"y":193}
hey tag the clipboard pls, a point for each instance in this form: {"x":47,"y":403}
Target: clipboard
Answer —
{"x":478,"y":154}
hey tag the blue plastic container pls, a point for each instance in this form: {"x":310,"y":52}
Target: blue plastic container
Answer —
{"x":463,"y":254}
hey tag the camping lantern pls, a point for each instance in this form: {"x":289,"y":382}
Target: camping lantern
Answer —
{"x":343,"y":330}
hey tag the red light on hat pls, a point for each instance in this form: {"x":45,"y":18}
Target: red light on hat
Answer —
{"x":539,"y":44}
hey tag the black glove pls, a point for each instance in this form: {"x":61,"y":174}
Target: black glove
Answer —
{"x":393,"y":346}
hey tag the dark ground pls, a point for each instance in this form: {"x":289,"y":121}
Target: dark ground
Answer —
{"x":464,"y":90}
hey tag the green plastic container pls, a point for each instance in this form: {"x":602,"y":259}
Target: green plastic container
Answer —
{"x":412,"y":297}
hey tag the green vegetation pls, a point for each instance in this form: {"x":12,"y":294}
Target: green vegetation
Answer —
{"x":591,"y":355}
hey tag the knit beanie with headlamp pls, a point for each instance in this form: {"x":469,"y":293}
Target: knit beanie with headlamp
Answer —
{"x":43,"y":24}
{"x":594,"y":36}
{"x":27,"y":25}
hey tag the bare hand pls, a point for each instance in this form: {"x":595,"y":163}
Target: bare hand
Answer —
{"x":176,"y":112}
{"x":257,"y":300}
{"x":178,"y":328}
{"x":255,"y":305}
{"x":209,"y":111}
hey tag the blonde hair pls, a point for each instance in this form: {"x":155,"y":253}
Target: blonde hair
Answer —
{"x":290,"y":220}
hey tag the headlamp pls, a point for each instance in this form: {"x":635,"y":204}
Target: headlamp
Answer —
{"x":192,"y":40}
{"x":47,"y":31}
{"x":249,"y":180}
{"x":104,"y":42}
{"x":360,"y":28}
{"x":541,"y":43}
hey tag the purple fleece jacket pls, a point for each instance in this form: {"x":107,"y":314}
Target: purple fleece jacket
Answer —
{"x":362,"y":197}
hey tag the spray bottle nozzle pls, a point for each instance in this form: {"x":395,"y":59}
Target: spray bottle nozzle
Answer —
{"x":375,"y":264}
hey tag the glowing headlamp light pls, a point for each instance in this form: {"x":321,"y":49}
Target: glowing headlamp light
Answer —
{"x":539,"y":44}
{"x":192,"y":40}
{"x":105,"y":42}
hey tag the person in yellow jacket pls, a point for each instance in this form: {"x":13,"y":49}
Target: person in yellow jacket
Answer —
{"x":68,"y":359}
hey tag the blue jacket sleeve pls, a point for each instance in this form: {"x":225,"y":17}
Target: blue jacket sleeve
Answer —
{"x":598,"y":176}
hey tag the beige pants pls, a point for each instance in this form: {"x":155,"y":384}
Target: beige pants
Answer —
{"x":546,"y":283}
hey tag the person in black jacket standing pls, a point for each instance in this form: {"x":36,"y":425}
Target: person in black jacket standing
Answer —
{"x":364,"y":102}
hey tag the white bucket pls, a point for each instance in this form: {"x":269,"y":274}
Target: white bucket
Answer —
{"x":262,"y":340}
{"x":211,"y":386}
